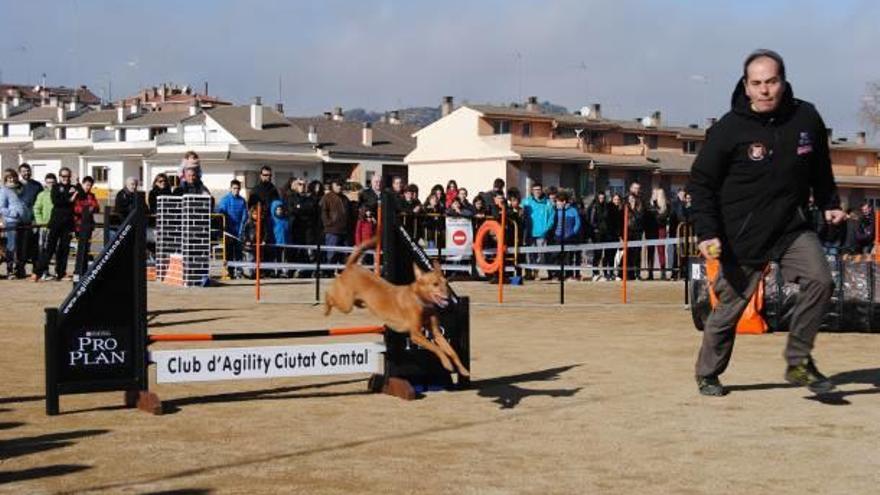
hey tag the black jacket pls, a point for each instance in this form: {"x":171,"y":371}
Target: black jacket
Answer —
{"x":264,"y":193}
{"x":752,"y":179}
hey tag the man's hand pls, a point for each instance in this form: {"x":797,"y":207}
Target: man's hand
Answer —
{"x":835,"y":217}
{"x":710,"y":248}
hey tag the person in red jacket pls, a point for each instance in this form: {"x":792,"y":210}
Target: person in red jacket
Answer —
{"x":85,"y":205}
{"x":365,"y":229}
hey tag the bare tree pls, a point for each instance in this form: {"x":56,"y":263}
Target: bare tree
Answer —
{"x":871,"y":106}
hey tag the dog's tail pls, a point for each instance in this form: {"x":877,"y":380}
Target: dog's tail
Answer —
{"x":355,"y":255}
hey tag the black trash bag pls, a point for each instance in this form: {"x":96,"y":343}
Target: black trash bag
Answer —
{"x":857,"y":296}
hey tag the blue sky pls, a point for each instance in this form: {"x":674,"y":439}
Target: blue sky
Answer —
{"x":680,"y":57}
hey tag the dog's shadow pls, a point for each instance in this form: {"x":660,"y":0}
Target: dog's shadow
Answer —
{"x":507,"y":392}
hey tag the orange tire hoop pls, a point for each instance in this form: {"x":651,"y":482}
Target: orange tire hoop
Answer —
{"x":495,"y":228}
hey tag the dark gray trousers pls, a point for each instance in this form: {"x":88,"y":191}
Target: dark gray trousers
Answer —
{"x":802,"y":263}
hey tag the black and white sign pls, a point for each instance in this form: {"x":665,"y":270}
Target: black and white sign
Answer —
{"x":242,"y":363}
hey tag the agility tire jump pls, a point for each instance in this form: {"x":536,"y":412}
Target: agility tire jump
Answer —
{"x":97,"y":340}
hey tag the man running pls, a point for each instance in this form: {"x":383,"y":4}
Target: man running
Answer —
{"x":750,"y":185}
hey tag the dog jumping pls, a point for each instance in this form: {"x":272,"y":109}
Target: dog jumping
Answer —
{"x":403,"y":308}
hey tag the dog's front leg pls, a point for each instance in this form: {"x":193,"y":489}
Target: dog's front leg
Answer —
{"x":445,"y":346}
{"x":416,"y":336}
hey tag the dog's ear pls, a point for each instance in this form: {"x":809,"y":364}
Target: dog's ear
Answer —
{"x":418,"y":271}
{"x":437,"y":267}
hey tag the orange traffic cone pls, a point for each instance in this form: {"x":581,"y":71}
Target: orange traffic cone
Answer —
{"x":751,"y":320}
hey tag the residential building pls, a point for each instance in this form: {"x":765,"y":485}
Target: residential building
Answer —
{"x":355,"y":151}
{"x":585,"y":152}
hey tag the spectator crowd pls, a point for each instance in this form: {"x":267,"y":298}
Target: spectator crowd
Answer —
{"x":39,"y":220}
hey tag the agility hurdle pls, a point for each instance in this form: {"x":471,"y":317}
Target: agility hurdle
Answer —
{"x":97,"y":340}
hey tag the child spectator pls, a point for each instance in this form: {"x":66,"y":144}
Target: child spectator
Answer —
{"x":281,"y":234}
{"x":84,"y":208}
{"x":365,"y":230}
{"x":234,"y":209}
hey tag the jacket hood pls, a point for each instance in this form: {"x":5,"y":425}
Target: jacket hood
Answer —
{"x":740,"y":103}
{"x":274,"y":206}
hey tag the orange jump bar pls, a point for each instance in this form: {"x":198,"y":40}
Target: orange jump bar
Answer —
{"x":298,"y":334}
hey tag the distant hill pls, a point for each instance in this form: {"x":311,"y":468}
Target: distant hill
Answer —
{"x":422,"y":116}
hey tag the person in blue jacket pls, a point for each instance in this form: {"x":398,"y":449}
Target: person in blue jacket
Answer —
{"x":538,"y":212}
{"x":234,"y":208}
{"x":280,"y":232}
{"x":567,"y":230}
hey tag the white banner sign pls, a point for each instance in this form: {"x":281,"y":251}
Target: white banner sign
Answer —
{"x":242,"y":363}
{"x":459,"y":238}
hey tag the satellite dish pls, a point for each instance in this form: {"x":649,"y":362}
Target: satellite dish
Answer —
{"x":586,"y":111}
{"x":649,"y":122}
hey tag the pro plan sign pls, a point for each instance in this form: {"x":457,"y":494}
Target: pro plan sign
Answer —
{"x":459,"y":237}
{"x":202,"y":365}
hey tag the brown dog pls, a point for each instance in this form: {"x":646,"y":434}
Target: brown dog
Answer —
{"x":401,"y":307}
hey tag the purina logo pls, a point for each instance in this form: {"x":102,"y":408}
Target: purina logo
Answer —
{"x":96,"y":348}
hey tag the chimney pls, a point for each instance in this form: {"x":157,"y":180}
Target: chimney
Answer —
{"x":279,"y":107}
{"x":73,"y":106}
{"x":164,"y":92}
{"x":120,"y":112}
{"x":394,"y":117}
{"x":135,"y":106}
{"x":446,"y":107}
{"x":337,"y":114}
{"x":861,"y":138}
{"x":596,"y":111}
{"x":53,"y":101}
{"x":257,"y":113}
{"x":657,"y":118}
{"x":16,"y":98}
{"x":4,"y":109}
{"x":313,"y":134}
{"x":328,"y":116}
{"x":830,"y":132}
{"x":194,"y":107}
{"x":60,"y":114}
{"x":710,"y":122}
{"x":532,"y":104}
{"x":367,"y":134}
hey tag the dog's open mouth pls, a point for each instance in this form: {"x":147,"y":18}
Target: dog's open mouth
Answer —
{"x":441,"y":301}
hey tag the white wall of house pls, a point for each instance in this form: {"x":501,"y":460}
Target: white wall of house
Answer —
{"x":19,"y":130}
{"x":209,"y":132}
{"x":78,"y":132}
{"x":456,"y":137}
{"x":42,"y":166}
{"x":137,"y":134}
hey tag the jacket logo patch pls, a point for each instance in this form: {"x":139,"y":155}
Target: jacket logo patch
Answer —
{"x":757,"y":151}
{"x":805,"y":144}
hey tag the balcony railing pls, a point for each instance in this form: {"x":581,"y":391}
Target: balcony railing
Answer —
{"x":103,"y":136}
{"x":169,"y":138}
{"x":43,"y":133}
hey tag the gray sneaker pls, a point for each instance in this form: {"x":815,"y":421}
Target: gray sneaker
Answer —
{"x":710,"y":386}
{"x":805,"y":374}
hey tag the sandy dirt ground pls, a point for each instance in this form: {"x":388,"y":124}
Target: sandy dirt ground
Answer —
{"x":593,"y":397}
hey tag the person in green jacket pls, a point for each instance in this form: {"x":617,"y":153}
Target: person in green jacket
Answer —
{"x":43,"y":211}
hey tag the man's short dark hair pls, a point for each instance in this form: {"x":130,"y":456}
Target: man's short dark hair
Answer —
{"x":50,"y":175}
{"x":552,"y":190}
{"x":88,"y":179}
{"x":537,"y":184}
{"x":24,"y":165}
{"x":763,"y":52}
{"x":235,"y":182}
{"x":412,"y":188}
{"x":513,"y":192}
{"x":335,"y":182}
{"x":498,"y":183}
{"x":265,"y":168}
{"x":562,"y":196}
